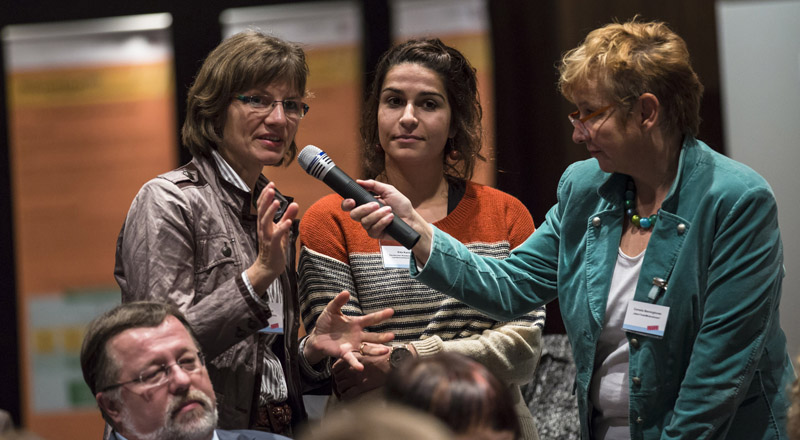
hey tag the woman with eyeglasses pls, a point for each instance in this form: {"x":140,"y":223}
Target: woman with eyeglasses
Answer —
{"x":216,"y":238}
{"x":665,"y":256}
{"x":421,"y":131}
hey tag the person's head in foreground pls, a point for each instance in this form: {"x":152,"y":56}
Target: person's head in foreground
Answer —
{"x":459,"y":391}
{"x":145,"y":369}
{"x":377,"y":421}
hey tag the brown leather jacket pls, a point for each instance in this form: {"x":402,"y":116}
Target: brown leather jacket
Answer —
{"x":187,"y":238}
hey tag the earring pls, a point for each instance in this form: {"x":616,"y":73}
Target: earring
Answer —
{"x":452,"y":153}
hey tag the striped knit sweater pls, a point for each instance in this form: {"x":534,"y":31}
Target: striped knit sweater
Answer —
{"x":337,"y":254}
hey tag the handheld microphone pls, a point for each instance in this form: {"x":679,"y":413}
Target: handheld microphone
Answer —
{"x":317,"y":163}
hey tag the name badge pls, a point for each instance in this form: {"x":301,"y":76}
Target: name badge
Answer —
{"x":394,"y":255}
{"x":275,"y":323}
{"x":646,"y":319}
{"x":275,"y":300}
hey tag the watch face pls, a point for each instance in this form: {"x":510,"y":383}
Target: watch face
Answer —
{"x":399,"y":356}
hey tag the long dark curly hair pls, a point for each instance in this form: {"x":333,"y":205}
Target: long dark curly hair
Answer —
{"x":461,"y":85}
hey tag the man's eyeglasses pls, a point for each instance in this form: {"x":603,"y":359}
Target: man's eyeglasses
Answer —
{"x":579,"y":122}
{"x":264,"y":105}
{"x":156,"y":375}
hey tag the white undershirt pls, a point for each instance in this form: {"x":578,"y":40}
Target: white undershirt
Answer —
{"x":609,"y":391}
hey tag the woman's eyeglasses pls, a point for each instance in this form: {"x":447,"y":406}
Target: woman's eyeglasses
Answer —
{"x":579,"y":123}
{"x":264,"y":105}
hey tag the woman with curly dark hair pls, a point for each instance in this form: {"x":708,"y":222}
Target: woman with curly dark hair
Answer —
{"x":421,"y":131}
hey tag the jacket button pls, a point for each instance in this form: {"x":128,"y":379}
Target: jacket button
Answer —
{"x":639,"y":420}
{"x":636,"y":381}
{"x":634,"y":343}
{"x":596,"y":222}
{"x":681,"y":229}
{"x":226,"y":251}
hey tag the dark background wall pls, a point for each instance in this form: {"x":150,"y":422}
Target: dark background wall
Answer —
{"x":532,"y":133}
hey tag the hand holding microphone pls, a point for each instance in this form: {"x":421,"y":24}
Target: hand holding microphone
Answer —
{"x":320,"y":166}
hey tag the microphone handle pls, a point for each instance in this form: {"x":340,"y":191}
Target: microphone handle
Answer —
{"x":350,"y":189}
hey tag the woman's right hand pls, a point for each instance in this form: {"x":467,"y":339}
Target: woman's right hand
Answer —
{"x":375,"y":218}
{"x":273,"y":239}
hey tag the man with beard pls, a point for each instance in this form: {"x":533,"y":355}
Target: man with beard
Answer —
{"x":142,"y":362}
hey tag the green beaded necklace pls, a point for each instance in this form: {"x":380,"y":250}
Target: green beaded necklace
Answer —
{"x":630,"y":209}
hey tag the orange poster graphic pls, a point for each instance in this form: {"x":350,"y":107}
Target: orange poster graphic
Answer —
{"x":91,"y":118}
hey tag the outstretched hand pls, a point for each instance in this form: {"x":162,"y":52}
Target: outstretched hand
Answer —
{"x":339,"y":336}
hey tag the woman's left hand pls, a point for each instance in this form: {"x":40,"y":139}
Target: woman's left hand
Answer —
{"x":340,"y":336}
{"x":273,"y":239}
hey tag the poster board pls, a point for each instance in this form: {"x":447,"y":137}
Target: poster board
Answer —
{"x":463,"y":24}
{"x":91,"y":108}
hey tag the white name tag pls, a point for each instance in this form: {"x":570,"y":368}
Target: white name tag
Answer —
{"x":275,"y":300}
{"x":275,"y":323}
{"x":646,"y":319}
{"x":395,"y":256}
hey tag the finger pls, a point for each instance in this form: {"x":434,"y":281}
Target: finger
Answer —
{"x":375,"y":317}
{"x":364,"y":210}
{"x":291,"y":213}
{"x":381,"y":189}
{"x":377,"y":216}
{"x":267,"y":195}
{"x":348,"y":204}
{"x":375,"y":349}
{"x":372,"y":185}
{"x":377,"y":229}
{"x":338,"y":301}
{"x":378,"y":338}
{"x":270,"y":211}
{"x":266,"y":211}
{"x":370,"y":219}
{"x":339,"y":365}
{"x":352,"y":361}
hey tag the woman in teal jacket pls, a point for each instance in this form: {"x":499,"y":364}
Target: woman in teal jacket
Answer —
{"x":665,"y":256}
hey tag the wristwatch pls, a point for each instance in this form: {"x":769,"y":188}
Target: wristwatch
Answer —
{"x":399,"y":355}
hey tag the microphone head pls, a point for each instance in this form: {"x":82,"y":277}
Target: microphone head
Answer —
{"x":315,"y":161}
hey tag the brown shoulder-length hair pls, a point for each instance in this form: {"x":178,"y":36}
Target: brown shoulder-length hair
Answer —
{"x":458,"y":390}
{"x":461,"y":85}
{"x":247,"y":60}
{"x":632,"y":58}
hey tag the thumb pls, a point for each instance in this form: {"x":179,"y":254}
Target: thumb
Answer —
{"x":336,"y":304}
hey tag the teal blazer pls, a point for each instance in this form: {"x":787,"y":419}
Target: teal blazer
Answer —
{"x":722,"y":369}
